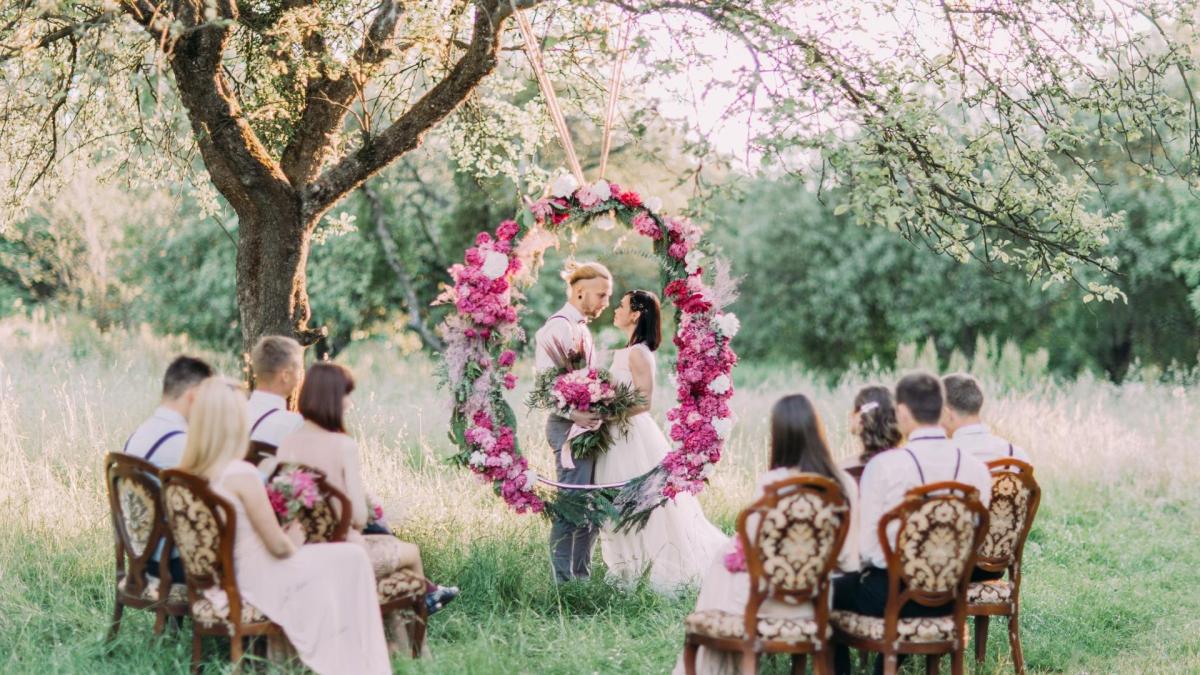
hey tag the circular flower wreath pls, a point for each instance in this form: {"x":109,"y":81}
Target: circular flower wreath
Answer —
{"x":479,"y":356}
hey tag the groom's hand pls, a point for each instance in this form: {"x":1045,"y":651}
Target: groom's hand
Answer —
{"x":587,"y":420}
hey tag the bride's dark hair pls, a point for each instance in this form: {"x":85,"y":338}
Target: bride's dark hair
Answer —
{"x":878,"y":429}
{"x":648,"y":330}
{"x":798,"y":438}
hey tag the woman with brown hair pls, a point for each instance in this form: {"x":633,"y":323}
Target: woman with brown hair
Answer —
{"x":798,"y":446}
{"x":322,"y":443}
{"x":873,"y":424}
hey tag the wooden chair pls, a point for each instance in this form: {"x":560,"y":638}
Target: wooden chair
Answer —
{"x":329,"y":521}
{"x":1015,"y":499}
{"x":204,"y":525}
{"x":139,"y":530}
{"x":258,"y":451}
{"x":808,"y":509}
{"x":939,"y":529}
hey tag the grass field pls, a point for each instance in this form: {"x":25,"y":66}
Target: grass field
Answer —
{"x":1111,"y":567}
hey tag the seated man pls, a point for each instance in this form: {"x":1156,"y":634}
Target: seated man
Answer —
{"x":960,"y":417}
{"x":928,"y":457}
{"x":160,"y":440}
{"x":278,"y":364}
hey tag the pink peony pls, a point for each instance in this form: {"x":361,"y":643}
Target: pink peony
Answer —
{"x":510,"y":381}
{"x":507,"y":230}
{"x":507,"y":358}
{"x":643,"y":224}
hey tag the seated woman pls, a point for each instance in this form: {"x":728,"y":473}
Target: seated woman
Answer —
{"x":322,"y":595}
{"x":797,"y":446}
{"x":322,"y":443}
{"x":873,"y":423}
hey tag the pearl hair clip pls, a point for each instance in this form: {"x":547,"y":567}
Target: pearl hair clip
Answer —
{"x":868,"y":407}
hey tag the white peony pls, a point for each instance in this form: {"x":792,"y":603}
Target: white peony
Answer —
{"x":728,"y":324}
{"x":602,"y":189}
{"x":530,"y":479}
{"x":692,"y":260}
{"x":723,"y":427}
{"x":708,"y":470}
{"x":720,"y":384}
{"x":477,"y":458}
{"x":495,"y":265}
{"x":506,"y":460}
{"x":564,"y":186}
{"x":653,"y":204}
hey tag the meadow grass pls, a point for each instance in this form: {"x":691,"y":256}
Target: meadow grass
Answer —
{"x":1110,"y":568}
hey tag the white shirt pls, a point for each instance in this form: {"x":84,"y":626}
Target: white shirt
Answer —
{"x":170,"y":452}
{"x":272,"y":428}
{"x":889,"y":475}
{"x":568,"y":328}
{"x":978,"y":440}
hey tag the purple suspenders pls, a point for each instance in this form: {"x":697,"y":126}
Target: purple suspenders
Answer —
{"x":259,"y":421}
{"x":921,"y":472}
{"x":158,"y":444}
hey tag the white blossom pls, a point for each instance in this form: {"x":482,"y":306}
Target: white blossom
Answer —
{"x":477,"y":458}
{"x":604,"y":223}
{"x":723,"y":427}
{"x":728,"y":324}
{"x":692,"y":260}
{"x":602,"y":189}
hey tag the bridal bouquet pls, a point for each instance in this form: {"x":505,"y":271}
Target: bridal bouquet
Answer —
{"x":291,"y":491}
{"x":572,"y":385}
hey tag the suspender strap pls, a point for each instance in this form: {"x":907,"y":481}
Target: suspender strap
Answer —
{"x":259,"y":421}
{"x":1010,"y":450}
{"x":957,"y":462}
{"x":126,"y":448}
{"x":920,"y":472}
{"x":158,"y":444}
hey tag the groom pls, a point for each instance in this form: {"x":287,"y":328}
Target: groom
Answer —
{"x":589,"y":288}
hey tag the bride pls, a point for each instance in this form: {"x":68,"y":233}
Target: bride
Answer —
{"x":678,"y":542}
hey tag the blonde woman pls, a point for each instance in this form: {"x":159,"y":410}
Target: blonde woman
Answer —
{"x":322,"y":595}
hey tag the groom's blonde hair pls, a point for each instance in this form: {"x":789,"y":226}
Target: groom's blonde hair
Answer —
{"x":574,"y":272}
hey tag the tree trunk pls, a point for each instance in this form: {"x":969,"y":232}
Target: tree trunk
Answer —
{"x":272,"y":262}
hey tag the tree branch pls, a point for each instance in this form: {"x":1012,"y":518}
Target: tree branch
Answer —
{"x":406,"y":132}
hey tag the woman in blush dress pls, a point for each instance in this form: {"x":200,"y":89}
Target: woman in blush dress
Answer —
{"x":323,"y":595}
{"x":677,"y":542}
{"x":797,"y":446}
{"x":322,"y":443}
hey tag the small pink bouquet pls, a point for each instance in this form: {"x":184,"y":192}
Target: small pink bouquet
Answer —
{"x":735,"y":560}
{"x":375,"y":517}
{"x":292,"y":490}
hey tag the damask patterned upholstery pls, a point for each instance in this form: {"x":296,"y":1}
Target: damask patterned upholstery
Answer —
{"x":401,"y":584}
{"x":209,"y":613}
{"x":1007,"y":511}
{"x":796,"y":538}
{"x":719,"y":624}
{"x":176,"y":596}
{"x":935,"y":543}
{"x":990,"y":592}
{"x":923,"y":629}
{"x":197,"y":532}
{"x":320,"y":522}
{"x":137,"y":513}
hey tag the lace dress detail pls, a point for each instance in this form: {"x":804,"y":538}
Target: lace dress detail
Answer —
{"x":678,"y":543}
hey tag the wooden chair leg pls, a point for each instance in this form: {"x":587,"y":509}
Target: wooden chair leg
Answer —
{"x":749,"y":663}
{"x":823,"y":661}
{"x":115,"y":626}
{"x":235,"y":652}
{"x":1014,"y":642}
{"x":160,"y":621}
{"x":690,"y":649}
{"x":931,"y":664}
{"x":891,"y":663}
{"x":981,"y":635}
{"x":196,"y":650}
{"x":956,"y":660}
{"x":800,"y":662}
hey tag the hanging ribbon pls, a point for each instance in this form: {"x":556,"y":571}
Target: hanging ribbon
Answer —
{"x":614,"y":93}
{"x":539,"y":69}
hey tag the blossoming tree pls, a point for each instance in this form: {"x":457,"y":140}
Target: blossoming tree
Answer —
{"x":956,"y":124}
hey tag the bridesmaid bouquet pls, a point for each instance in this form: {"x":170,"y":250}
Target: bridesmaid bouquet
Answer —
{"x":291,"y":491}
{"x":573,"y":385}
{"x":376,"y":524}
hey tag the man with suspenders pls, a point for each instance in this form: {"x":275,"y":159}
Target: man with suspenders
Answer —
{"x":278,"y":364}
{"x":589,"y":288}
{"x":961,"y":419}
{"x":928,"y":456}
{"x":162,"y":438}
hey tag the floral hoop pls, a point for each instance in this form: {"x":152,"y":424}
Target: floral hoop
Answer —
{"x":479,"y":356}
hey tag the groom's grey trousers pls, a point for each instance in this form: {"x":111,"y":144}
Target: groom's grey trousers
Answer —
{"x":570,"y":546}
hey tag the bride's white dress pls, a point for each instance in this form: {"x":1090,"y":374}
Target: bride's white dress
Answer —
{"x":678,"y":543}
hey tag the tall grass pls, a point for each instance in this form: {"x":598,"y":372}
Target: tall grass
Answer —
{"x":1110,"y":567}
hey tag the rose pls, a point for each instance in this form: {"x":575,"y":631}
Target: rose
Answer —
{"x":495,"y":265}
{"x":727,"y":324}
{"x":630,"y":199}
{"x":564,"y":185}
{"x":507,"y":358}
{"x":507,"y":230}
{"x":643,"y":223}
